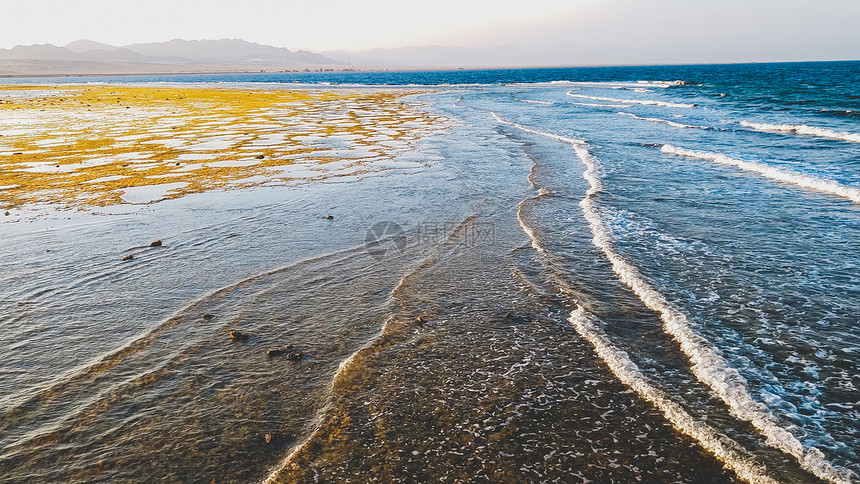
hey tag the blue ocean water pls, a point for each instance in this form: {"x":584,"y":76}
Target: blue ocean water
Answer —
{"x":699,"y":224}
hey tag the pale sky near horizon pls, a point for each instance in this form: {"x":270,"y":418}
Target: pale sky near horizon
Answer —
{"x":739,"y":30}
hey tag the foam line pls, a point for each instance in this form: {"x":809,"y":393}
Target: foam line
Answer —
{"x":646,"y":102}
{"x":725,"y":449}
{"x":663,"y":83}
{"x":629,"y":374}
{"x":532,"y":101}
{"x":804,"y":181}
{"x":595,"y":105}
{"x":658,"y":120}
{"x":556,"y":137}
{"x":705,"y":362}
{"x":802,"y":129}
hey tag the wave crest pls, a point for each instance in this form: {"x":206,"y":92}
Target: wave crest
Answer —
{"x":804,"y":181}
{"x":658,"y":120}
{"x":644,"y":102}
{"x":802,"y":129}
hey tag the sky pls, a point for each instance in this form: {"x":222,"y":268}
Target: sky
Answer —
{"x":573,"y":30}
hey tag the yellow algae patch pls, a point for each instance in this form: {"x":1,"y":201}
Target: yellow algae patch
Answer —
{"x":82,"y":146}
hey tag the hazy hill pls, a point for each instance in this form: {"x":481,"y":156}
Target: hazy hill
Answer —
{"x":228,"y":51}
{"x":89,"y":57}
{"x":37,"y":52}
{"x":81,"y":46}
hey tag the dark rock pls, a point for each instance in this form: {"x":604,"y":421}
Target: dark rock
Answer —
{"x":128,"y":257}
{"x":18,"y":153}
{"x":156,"y":243}
{"x":260,"y":157}
{"x":288,"y":351}
{"x":7,"y":213}
{"x":239,"y":336}
{"x":208,"y":317}
{"x":329,"y":217}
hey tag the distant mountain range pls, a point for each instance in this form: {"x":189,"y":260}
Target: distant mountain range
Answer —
{"x":86,"y":56}
{"x":225,"y":51}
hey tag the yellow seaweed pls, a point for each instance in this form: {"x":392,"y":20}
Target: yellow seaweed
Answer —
{"x":82,"y":146}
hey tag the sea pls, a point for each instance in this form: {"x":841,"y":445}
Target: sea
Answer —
{"x":590,"y":274}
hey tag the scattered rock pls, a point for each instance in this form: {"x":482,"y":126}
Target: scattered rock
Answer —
{"x":329,"y":217}
{"x":270,"y":437}
{"x":208,"y":317}
{"x":506,"y":315}
{"x":419,"y":320}
{"x":288,"y":352}
{"x":239,"y":336}
{"x":275,"y":352}
{"x":128,"y":257}
{"x":156,"y":243}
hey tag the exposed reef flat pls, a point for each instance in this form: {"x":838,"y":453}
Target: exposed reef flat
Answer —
{"x":84,"y":145}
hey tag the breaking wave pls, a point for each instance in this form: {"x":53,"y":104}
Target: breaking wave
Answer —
{"x":707,"y":364}
{"x":804,"y":181}
{"x":666,"y":121}
{"x":802,"y":129}
{"x":644,"y":102}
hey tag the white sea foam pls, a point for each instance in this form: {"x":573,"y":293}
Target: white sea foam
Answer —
{"x":545,"y":103}
{"x":663,"y":83}
{"x":556,"y":137}
{"x":658,"y":120}
{"x":803,"y":130}
{"x":595,"y":105}
{"x":645,"y":102}
{"x":706,"y":363}
{"x":804,"y":181}
{"x":725,"y":449}
{"x":611,"y":84}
